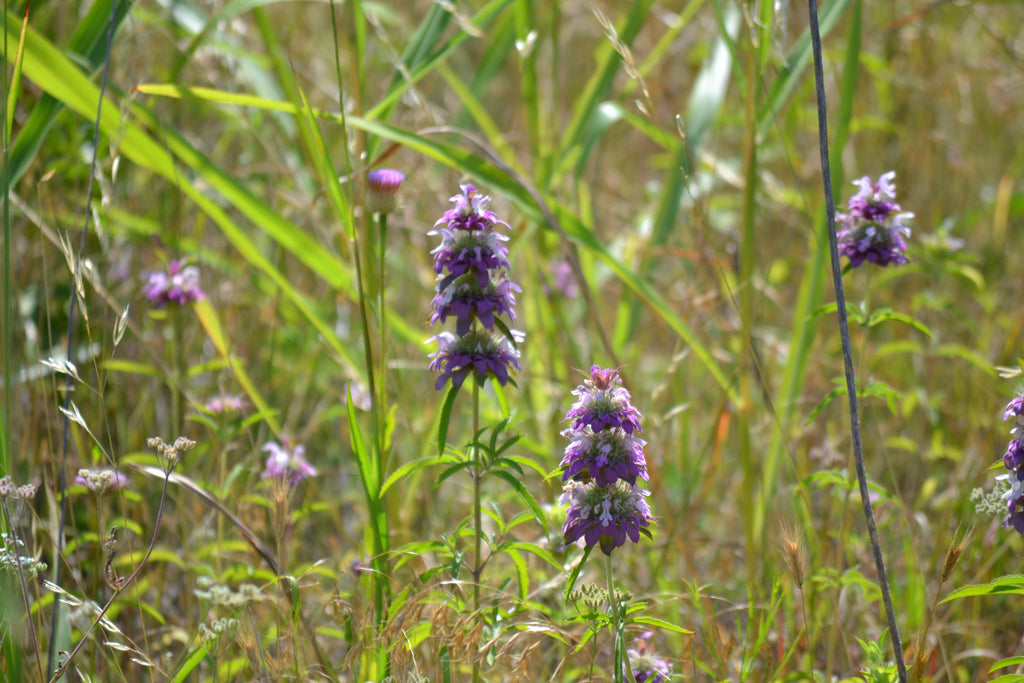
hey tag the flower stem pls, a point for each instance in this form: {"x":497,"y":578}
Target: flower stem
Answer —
{"x":178,"y":371}
{"x":621,"y":671}
{"x":477,"y":518}
{"x":373,"y":502}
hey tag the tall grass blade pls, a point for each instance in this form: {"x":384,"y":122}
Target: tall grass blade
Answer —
{"x":87,"y":42}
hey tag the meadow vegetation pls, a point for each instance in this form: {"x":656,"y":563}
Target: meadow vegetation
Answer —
{"x":231,"y":456}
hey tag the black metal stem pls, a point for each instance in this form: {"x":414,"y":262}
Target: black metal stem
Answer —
{"x":844,"y":333}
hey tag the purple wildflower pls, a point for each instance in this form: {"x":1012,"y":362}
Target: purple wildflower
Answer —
{"x":358,"y":567}
{"x":603,"y":403}
{"x":470,"y":211}
{"x":470,"y":251}
{"x":473,"y":286}
{"x":873,"y":229}
{"x":646,"y":667}
{"x":179,"y":285}
{"x":563,"y":281}
{"x":606,"y":515}
{"x":1014,"y":457}
{"x":225,"y":404}
{"x":605,"y":456}
{"x":1015,"y":408}
{"x":478,"y":352}
{"x":467,"y":300}
{"x":1013,"y":460}
{"x":281,"y":464}
{"x":382,"y":188}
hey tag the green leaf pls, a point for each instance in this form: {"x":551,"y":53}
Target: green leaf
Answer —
{"x":1012,"y":584}
{"x":659,"y":623}
{"x":188,"y":665}
{"x":1009,"y":661}
{"x":574,"y":575}
{"x":364,"y":460}
{"x":413,"y":467}
{"x":446,"y":417}
{"x":534,"y":549}
{"x":884,"y":315}
{"x":524,"y":493}
{"x":451,"y":471}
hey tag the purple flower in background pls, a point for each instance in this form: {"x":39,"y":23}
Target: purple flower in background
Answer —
{"x":873,"y":229}
{"x":473,"y":286}
{"x":481,"y":353}
{"x":382,"y":188}
{"x":1013,"y":460}
{"x":225,"y":404}
{"x":291,"y":466}
{"x":563,"y":281}
{"x":603,"y":403}
{"x":646,"y":667}
{"x":606,"y":515}
{"x":605,"y":456}
{"x":179,"y":285}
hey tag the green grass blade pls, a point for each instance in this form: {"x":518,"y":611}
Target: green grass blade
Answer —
{"x":598,"y":85}
{"x":569,"y":221}
{"x":89,"y":42}
{"x":364,"y":460}
{"x":46,"y":66}
{"x":792,"y":71}
{"x":208,"y":319}
{"x":15,"y":85}
{"x":812,"y":286}
{"x":712,"y":83}
{"x":425,"y":51}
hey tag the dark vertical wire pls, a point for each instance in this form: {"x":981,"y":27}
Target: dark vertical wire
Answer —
{"x":72,"y":310}
{"x":8,"y":304}
{"x":844,"y":333}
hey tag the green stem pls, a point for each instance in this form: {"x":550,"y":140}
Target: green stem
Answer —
{"x":477,"y":518}
{"x":178,"y":372}
{"x":382,"y":229}
{"x":621,"y":670}
{"x":381,"y":397}
{"x":747,"y":292}
{"x":372,"y":496}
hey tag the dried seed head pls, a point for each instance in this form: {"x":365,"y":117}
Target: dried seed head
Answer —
{"x":794,"y":552}
{"x":170,"y":454}
{"x":7,"y":487}
{"x":953,"y":553}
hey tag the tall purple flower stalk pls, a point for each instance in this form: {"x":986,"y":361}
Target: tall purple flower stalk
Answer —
{"x":873,"y":230}
{"x":601,"y":466}
{"x":1013,"y":460}
{"x":474,"y":288}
